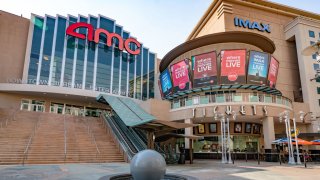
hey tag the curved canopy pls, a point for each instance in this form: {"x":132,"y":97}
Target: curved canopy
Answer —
{"x":260,"y":41}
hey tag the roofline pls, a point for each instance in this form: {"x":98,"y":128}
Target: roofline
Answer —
{"x":261,"y":4}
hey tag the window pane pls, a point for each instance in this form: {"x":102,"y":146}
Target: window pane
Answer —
{"x":90,"y":58}
{"x":311,"y":34}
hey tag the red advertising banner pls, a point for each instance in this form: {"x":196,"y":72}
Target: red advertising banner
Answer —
{"x":233,"y":67}
{"x":180,"y":76}
{"x":205,"y":69}
{"x":273,"y":72}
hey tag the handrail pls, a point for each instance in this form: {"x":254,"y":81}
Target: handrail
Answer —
{"x":25,"y":153}
{"x":65,"y":138}
{"x":93,"y":137}
{"x":94,"y":140}
{"x":237,"y":97}
{"x":116,"y":133}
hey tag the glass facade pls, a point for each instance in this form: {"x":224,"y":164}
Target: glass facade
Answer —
{"x":59,"y":60}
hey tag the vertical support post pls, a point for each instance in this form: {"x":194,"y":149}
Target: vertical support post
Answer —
{"x":296,"y":139}
{"x":222,"y":142}
{"x":229,"y":147}
{"x":191,"y":151}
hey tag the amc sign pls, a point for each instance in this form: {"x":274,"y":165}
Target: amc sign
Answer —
{"x":95,"y":37}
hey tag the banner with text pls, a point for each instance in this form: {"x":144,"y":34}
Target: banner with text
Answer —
{"x":204,"y":69}
{"x":273,"y":72}
{"x":165,"y":81}
{"x":233,"y":67}
{"x":258,"y":68}
{"x":180,"y":76}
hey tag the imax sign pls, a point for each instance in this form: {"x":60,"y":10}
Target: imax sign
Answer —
{"x":252,"y":25}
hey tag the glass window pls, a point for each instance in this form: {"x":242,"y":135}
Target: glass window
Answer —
{"x":116,"y":64}
{"x":47,"y":49}
{"x":152,"y":61}
{"x":71,"y":44}
{"x":138,"y":75}
{"x":316,"y":66}
{"x":104,"y":61}
{"x":90,"y":58}
{"x":58,"y":52}
{"x":35,"y":49}
{"x":318,"y":89}
{"x":145,"y":73}
{"x":124,"y":69}
{"x":81,"y":45}
{"x":311,"y":34}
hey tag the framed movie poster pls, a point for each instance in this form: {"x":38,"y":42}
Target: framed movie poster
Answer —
{"x":256,"y":128}
{"x":258,"y":68}
{"x":201,"y":129}
{"x":238,"y":127}
{"x":166,"y":84}
{"x":273,"y":72}
{"x":204,"y":68}
{"x":213,"y":128}
{"x":180,"y":76}
{"x":233,"y":66}
{"x":248,"y":128}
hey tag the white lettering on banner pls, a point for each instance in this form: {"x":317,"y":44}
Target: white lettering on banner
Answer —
{"x":233,"y":61}
{"x":273,"y":69}
{"x":258,"y":62}
{"x":180,"y":72}
{"x":204,"y":65}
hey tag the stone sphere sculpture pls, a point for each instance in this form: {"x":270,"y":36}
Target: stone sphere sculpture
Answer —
{"x":148,"y":165}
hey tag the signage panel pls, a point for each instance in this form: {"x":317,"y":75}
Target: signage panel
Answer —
{"x":273,"y":72}
{"x":233,"y":67}
{"x":180,"y":76}
{"x":165,"y":81}
{"x":258,"y":68}
{"x":205,"y":69}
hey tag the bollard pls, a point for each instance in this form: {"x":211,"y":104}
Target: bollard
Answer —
{"x":304,"y":159}
{"x":258,"y":158}
{"x":233,"y":158}
{"x":246,"y":157}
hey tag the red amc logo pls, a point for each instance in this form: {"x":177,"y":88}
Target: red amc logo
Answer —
{"x":95,"y":36}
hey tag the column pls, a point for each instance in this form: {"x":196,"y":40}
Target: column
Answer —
{"x":269,"y":136}
{"x":188,"y":131}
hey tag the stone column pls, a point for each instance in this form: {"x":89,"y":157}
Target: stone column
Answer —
{"x":269,"y":136}
{"x":188,"y":131}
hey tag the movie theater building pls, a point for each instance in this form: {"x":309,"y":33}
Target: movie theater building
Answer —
{"x":53,"y":64}
{"x":243,"y":62}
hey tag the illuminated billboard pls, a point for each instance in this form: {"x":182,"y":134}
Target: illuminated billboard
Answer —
{"x":165,"y":81}
{"x":180,"y":76}
{"x":204,"y":69}
{"x":273,"y":72}
{"x":233,"y":67}
{"x":258,"y":68}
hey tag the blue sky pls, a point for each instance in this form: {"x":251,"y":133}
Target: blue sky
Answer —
{"x":158,"y":24}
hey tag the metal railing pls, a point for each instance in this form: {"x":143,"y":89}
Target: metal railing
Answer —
{"x":90,"y":132}
{"x":25,"y":153}
{"x":65,"y":138}
{"x":4,"y":121}
{"x":118,"y":136}
{"x":230,"y":98}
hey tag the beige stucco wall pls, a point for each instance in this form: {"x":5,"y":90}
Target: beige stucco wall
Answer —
{"x":13,"y":35}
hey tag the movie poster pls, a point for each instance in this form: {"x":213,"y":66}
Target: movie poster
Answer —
{"x":204,"y":69}
{"x":258,"y":68}
{"x":233,"y":67}
{"x":273,"y":72}
{"x":180,"y":76}
{"x":165,"y":81}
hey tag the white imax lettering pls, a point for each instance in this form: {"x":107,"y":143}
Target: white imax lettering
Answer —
{"x":252,"y":25}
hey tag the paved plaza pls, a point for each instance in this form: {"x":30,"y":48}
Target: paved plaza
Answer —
{"x":202,"y":169}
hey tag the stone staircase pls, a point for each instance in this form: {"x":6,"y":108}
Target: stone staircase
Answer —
{"x":57,"y":139}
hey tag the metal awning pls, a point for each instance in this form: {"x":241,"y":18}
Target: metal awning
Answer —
{"x":128,"y":111}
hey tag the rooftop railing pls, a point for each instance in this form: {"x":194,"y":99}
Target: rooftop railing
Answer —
{"x":232,"y":98}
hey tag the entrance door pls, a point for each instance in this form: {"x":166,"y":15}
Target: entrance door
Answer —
{"x":57,"y":108}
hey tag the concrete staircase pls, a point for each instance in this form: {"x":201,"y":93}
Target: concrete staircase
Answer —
{"x":57,"y":139}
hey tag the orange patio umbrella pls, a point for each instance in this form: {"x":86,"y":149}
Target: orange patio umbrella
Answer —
{"x":301,"y":142}
{"x":316,"y":142}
